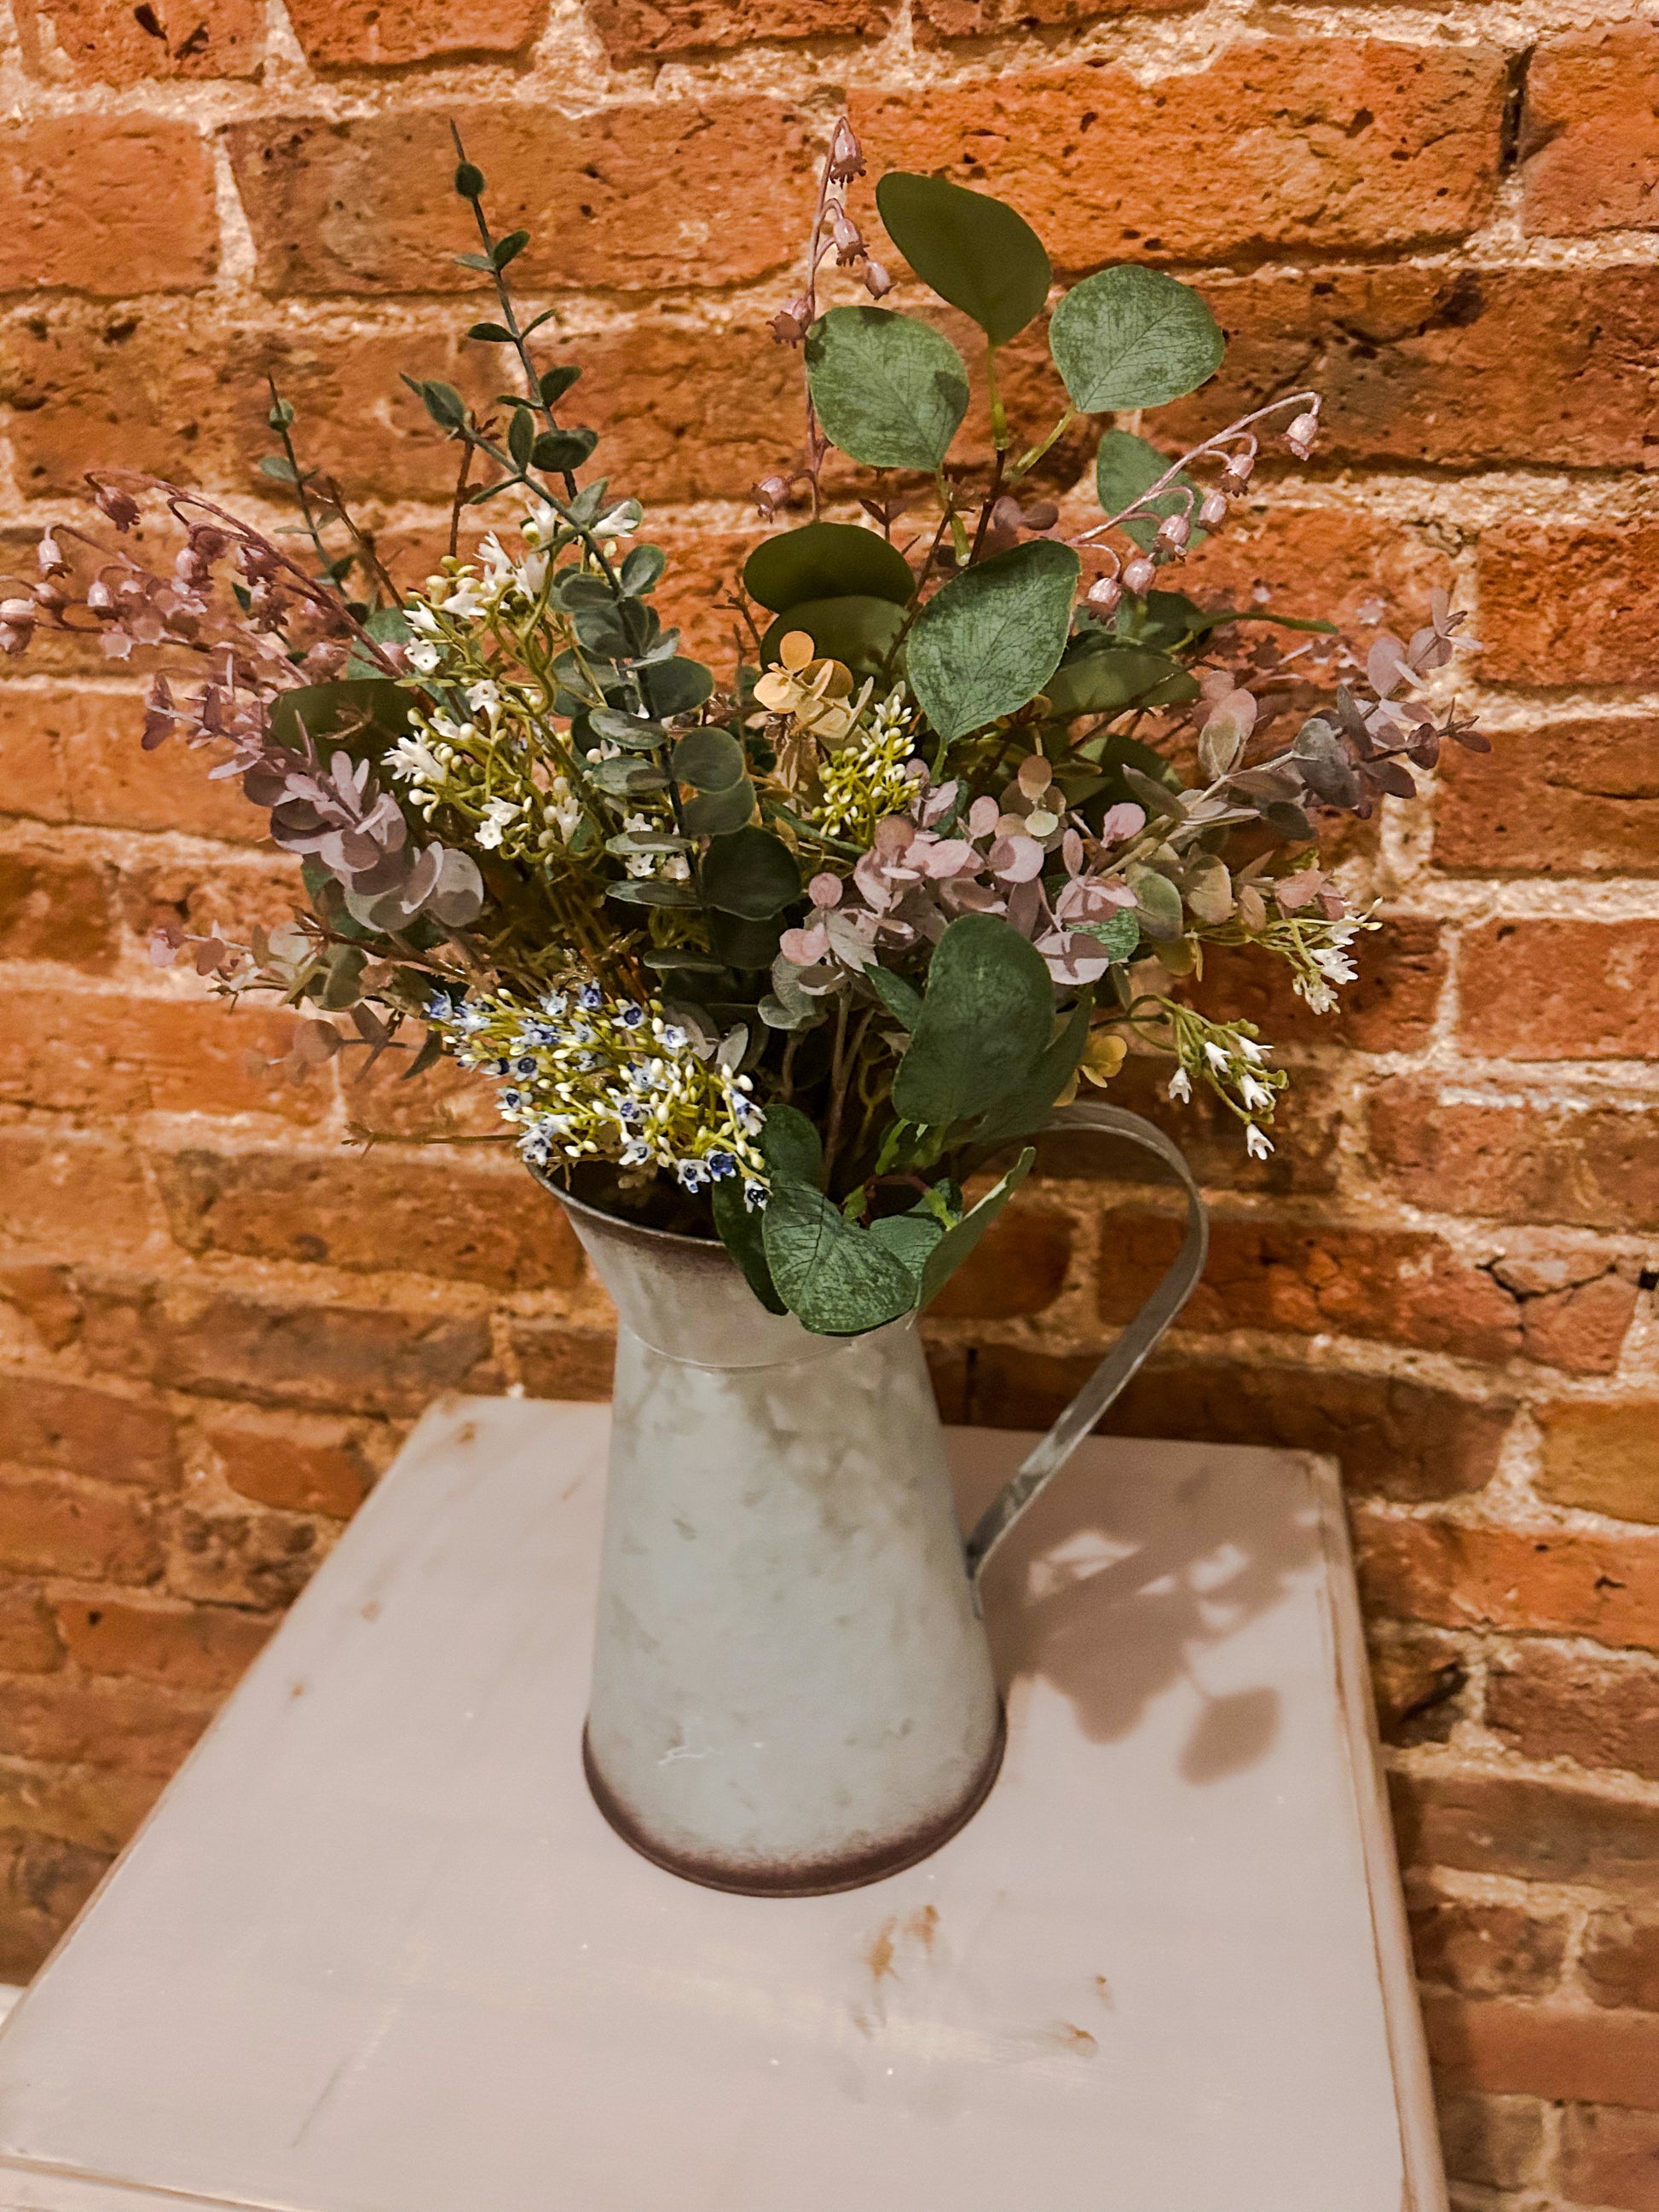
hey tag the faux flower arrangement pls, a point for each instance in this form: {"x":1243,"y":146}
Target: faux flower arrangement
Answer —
{"x":790,"y":951}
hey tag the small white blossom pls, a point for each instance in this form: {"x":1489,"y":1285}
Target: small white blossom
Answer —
{"x":1256,"y":1144}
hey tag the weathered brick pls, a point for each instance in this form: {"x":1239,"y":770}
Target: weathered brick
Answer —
{"x":299,"y":1463}
{"x":1574,"y":798}
{"x":228,"y":1559}
{"x":1543,"y":2050}
{"x":1555,"y":1704}
{"x":205,"y":1648}
{"x":1582,"y":1328}
{"x":635,"y":29}
{"x":334,"y":1358}
{"x":1568,"y":603}
{"x":1597,"y":1167}
{"x":1019,"y":1268}
{"x":110,"y":204}
{"x":1310,"y":142}
{"x":53,"y":1526}
{"x":43,"y":1295}
{"x":703,"y":571}
{"x":1619,"y":1959}
{"x":102,"y":1055}
{"x":1561,"y":990}
{"x":972,"y":19}
{"x":370,"y":34}
{"x":30,"y":1643}
{"x":43,"y":1882}
{"x":98,"y":1807}
{"x":1610,"y":2156}
{"x":1401,"y":1285}
{"x":635,"y":197}
{"x":1453,"y":366}
{"x":1589,"y":138}
{"x":1323,"y":562}
{"x":560,"y":1359}
{"x":48,"y":1422}
{"x":55,"y":907}
{"x":1485,"y":1950}
{"x":92,"y":43}
{"x":32,"y":781}
{"x":98,"y":1723}
{"x":1605,"y":1458}
{"x":1395,"y":1438}
{"x":89,"y":768}
{"x":64,"y":1195}
{"x":1304,"y":1161}
{"x":1419,"y":1679}
{"x":207,"y":893}
{"x":451,"y":1217}
{"x":1389,"y":1006}
{"x":1557,"y":1832}
{"x":1497,"y":2142}
{"x":1465,"y":1575}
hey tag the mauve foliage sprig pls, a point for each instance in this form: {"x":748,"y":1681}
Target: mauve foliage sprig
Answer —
{"x":786,"y":958}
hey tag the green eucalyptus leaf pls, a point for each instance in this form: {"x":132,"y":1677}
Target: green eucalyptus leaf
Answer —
{"x":709,"y":759}
{"x":357,"y":713}
{"x":862,"y":632}
{"x":1124,"y":467}
{"x":744,"y":1235}
{"x":676,"y":687}
{"x":750,"y":873}
{"x":509,"y":248}
{"x":653,"y":891}
{"x":955,"y":1246}
{"x":1133,"y":338}
{"x":715,"y":813}
{"x":826,"y":560}
{"x":1119,"y":934}
{"x":1157,"y":905}
{"x":888,"y":390}
{"x":991,"y":638}
{"x":521,"y":436}
{"x":642,"y":569}
{"x":901,"y":999}
{"x":554,"y":383}
{"x":910,"y":1237}
{"x":1025,"y":1109}
{"x":559,"y":452}
{"x":626,"y":779}
{"x":985,"y":1022}
{"x":741,"y":943}
{"x":973,"y":250}
{"x":790,"y":1146}
{"x":837,"y":1281}
{"x":279,"y":468}
{"x":1102,"y":682}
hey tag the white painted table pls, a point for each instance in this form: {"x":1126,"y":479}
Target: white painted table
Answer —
{"x":376,"y":1952}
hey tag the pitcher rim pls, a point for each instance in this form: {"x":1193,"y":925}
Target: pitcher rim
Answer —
{"x":621,"y":1221}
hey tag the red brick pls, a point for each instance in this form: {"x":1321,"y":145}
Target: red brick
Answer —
{"x":1604,"y":1458}
{"x":1610,"y":2157}
{"x":62,"y":1194}
{"x":1020,"y":1268}
{"x":1619,"y":1959}
{"x":1448,"y":366}
{"x":45,"y":1297}
{"x":1323,"y":562}
{"x":1575,"y":799}
{"x":231,"y":894}
{"x":111,"y":205}
{"x":704,"y":567}
{"x":642,"y":197}
{"x":972,"y":19}
{"x":1486,"y":1950}
{"x":453,"y":1217}
{"x":1554,"y":1704}
{"x":446,"y":1101}
{"x":1389,"y":1006}
{"x":559,"y":1360}
{"x":1543,"y":2050}
{"x":286,"y":1461}
{"x":43,"y":1882}
{"x":635,"y":29}
{"x":1473,"y":1576}
{"x":1305,"y":1133}
{"x":1395,"y":1438}
{"x":1401,"y":1286}
{"x":98,"y":1807}
{"x":98,"y":1724}
{"x":181,"y":1647}
{"x":84,"y":1431}
{"x":1596,"y":1166}
{"x":334,"y":1358}
{"x":1589,"y":140}
{"x":96,"y":44}
{"x":259,"y":1560}
{"x":1561,"y":990}
{"x":1497,"y":2142}
{"x":32,"y":781}
{"x":1568,"y":603}
{"x":54,"y":1526}
{"x":1419,"y":1679}
{"x":89,"y":768}
{"x":53,"y":906}
{"x":30,"y":1643}
{"x":1583,"y":1327}
{"x":107,"y":1054}
{"x":1303,"y":143}
{"x":371,"y":35}
{"x":1504,"y":1823}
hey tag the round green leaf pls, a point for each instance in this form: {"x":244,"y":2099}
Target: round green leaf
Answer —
{"x":973,"y":250}
{"x":826,"y":560}
{"x":1133,"y":338}
{"x":1101,"y":683}
{"x":992,"y":637}
{"x":750,"y":873}
{"x":676,"y":687}
{"x":836,"y":1279}
{"x":709,"y":758}
{"x":1125,"y":466}
{"x":985,"y":1022}
{"x":888,"y":390}
{"x":861,"y":632}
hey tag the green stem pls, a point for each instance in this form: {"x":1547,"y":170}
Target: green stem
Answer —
{"x":999,"y":420}
{"x":1027,"y":461}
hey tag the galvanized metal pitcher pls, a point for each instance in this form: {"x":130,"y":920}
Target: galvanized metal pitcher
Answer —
{"x":791,"y":1687}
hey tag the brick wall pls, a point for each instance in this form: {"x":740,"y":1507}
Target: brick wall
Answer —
{"x":217,"y":1323}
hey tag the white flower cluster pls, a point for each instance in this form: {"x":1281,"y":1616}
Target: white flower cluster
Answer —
{"x":871,"y":773}
{"x":1225,"y":1056}
{"x":586,"y":1076}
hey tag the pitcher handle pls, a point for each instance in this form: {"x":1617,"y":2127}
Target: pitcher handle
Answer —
{"x":1046,"y":1458}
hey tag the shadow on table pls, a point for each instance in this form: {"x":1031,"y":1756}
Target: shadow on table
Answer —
{"x":1113,"y":1593}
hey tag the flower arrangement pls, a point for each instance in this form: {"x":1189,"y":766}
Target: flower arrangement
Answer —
{"x":788,"y":953}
